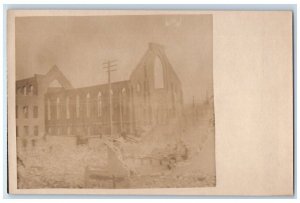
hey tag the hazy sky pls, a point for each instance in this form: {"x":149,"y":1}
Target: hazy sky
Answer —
{"x":79,"y":46}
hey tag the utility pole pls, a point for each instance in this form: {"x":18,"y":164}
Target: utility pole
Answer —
{"x":121,"y":110}
{"x":108,"y":65}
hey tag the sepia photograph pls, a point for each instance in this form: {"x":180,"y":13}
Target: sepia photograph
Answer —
{"x":114,"y":101}
{"x":150,"y":102}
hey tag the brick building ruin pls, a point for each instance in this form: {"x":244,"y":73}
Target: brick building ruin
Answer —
{"x":151,"y":96}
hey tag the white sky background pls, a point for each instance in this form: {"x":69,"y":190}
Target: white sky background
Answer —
{"x":79,"y":46}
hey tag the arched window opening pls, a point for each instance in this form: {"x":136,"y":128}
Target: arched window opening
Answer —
{"x":25,"y":111}
{"x":123,"y":91}
{"x":68,"y":107}
{"x":24,"y":90}
{"x":99,"y":104}
{"x":48,"y":109}
{"x":77,"y":106}
{"x":121,"y":106}
{"x":158,"y":74}
{"x":31,"y":89}
{"x":57,"y":108}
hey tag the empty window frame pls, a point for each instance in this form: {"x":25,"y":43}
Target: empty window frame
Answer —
{"x":99,"y":104}
{"x":25,"y":111}
{"x":58,"y":108}
{"x":68,"y":108}
{"x":36,"y":130}
{"x":35,"y":112}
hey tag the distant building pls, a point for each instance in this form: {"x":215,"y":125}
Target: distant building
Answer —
{"x":152,"y":96}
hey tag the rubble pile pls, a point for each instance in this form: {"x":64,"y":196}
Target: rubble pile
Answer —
{"x":56,"y":166}
{"x":161,"y":157}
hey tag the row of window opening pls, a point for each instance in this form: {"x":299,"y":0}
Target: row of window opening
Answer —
{"x":26,"y":131}
{"x":77,"y":106}
{"x":26,"y":90}
{"x":25,"y":111}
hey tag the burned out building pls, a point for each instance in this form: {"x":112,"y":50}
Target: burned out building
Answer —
{"x":151,"y":96}
{"x":30,"y":96}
